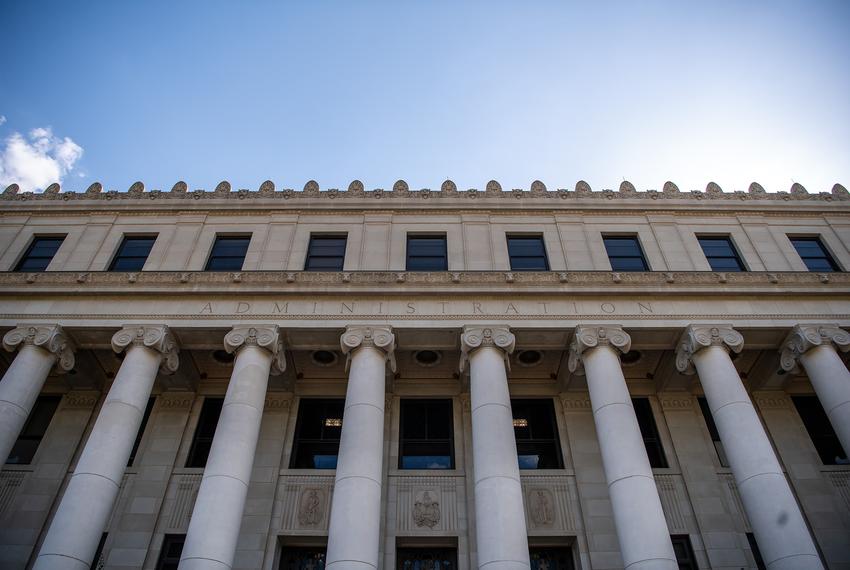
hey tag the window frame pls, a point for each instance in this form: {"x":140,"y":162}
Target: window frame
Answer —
{"x":401,"y":428}
{"x":650,"y":439}
{"x":641,"y":254}
{"x":118,"y":252}
{"x":408,"y":256}
{"x":163,"y":558}
{"x":827,"y":254}
{"x":818,"y":440}
{"x":685,"y":540}
{"x":49,"y":400}
{"x":713,"y":432}
{"x":558,"y":451}
{"x":32,"y":245}
{"x":141,"y":433}
{"x":319,"y":236}
{"x":736,"y":253}
{"x":527,"y":237}
{"x":223,"y":237}
{"x":298,"y":440}
{"x":192,"y":458}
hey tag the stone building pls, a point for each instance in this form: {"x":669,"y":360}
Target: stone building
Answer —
{"x":425,"y":379}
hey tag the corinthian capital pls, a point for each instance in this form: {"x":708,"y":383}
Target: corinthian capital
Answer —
{"x":49,"y":337}
{"x":267,"y":337}
{"x":474,"y":337}
{"x":154,"y":337}
{"x":697,"y":337}
{"x":380,"y":337}
{"x":805,"y":337}
{"x":591,"y":336}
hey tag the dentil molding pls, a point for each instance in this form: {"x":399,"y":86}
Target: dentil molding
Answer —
{"x":592,"y":336}
{"x":697,"y":337}
{"x":158,"y":338}
{"x":48,"y":337}
{"x":267,"y":337}
{"x":803,"y":338}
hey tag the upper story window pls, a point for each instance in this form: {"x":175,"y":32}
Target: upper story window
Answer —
{"x":527,"y":253}
{"x":133,"y":253}
{"x":228,"y":253}
{"x":649,"y":432}
{"x":625,"y":253}
{"x":537,"y":443}
{"x":30,"y":438}
{"x":204,"y":432}
{"x":139,"y":434}
{"x":820,"y":430}
{"x":712,"y":430}
{"x":317,"y":432}
{"x":40,"y":253}
{"x":172,"y":548}
{"x":721,"y":253}
{"x":426,"y":435}
{"x":814,"y":254}
{"x":684,"y":552}
{"x":326,"y":253}
{"x":426,"y":253}
{"x":302,"y":557}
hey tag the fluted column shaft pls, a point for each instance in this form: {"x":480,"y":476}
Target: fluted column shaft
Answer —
{"x":355,"y":520}
{"x":777,"y":522}
{"x":40,"y":348}
{"x":638,"y":516}
{"x":501,"y":534}
{"x":217,"y":516}
{"x":84,"y":512}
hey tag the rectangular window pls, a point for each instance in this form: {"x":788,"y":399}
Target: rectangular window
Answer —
{"x":551,"y":558}
{"x":132,"y":253}
{"x":649,"y":432}
{"x":317,"y":432}
{"x":625,"y":253}
{"x":712,"y":429}
{"x":141,"y":431}
{"x":820,"y":430}
{"x":814,"y":254}
{"x":204,"y":432}
{"x":302,"y":558}
{"x":426,"y":440}
{"x":754,"y":548}
{"x":527,"y":253}
{"x":537,"y":442}
{"x":35,"y":427}
{"x":40,"y":253}
{"x":228,"y":253}
{"x":422,"y":558}
{"x":172,"y":548}
{"x":326,"y":253}
{"x":721,"y":253}
{"x":426,"y":253}
{"x":684,"y":552}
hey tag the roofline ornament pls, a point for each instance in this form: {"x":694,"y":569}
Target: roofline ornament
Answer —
{"x":803,"y":338}
{"x":154,"y":337}
{"x":267,"y":337}
{"x":474,"y":337}
{"x":358,"y":336}
{"x":593,"y":336}
{"x":51,"y":338}
{"x":698,"y":337}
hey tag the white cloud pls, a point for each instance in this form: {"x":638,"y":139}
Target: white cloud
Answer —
{"x":2,"y":119}
{"x":37,"y":161}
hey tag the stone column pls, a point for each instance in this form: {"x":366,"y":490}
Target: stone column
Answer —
{"x":355,"y":522}
{"x":638,"y":517}
{"x":777,"y":522}
{"x":84,"y":512}
{"x":41,"y":346}
{"x":214,"y":526}
{"x":501,"y":536}
{"x":815,"y":347}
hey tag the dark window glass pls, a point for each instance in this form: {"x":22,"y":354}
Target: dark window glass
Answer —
{"x":228,"y":253}
{"x":721,"y":253}
{"x":684,"y":552}
{"x":814,"y":254}
{"x":302,"y":559}
{"x":34,"y":429}
{"x":820,"y":430}
{"x":527,"y":253}
{"x":141,"y":431}
{"x":426,"y":439}
{"x":326,"y":253}
{"x":754,"y":547}
{"x":40,"y":253}
{"x":426,"y":558}
{"x":537,"y":443}
{"x":204,"y":433}
{"x":99,"y":558}
{"x":649,"y":432}
{"x":172,"y":548}
{"x":133,"y":253}
{"x":557,"y":558}
{"x":426,"y":253}
{"x":625,"y":253}
{"x":317,"y":432}
{"x":712,"y":429}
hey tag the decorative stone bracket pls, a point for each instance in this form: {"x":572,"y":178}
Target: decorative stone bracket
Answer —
{"x":51,"y":338}
{"x":803,"y":338}
{"x":358,"y":336}
{"x":697,"y":337}
{"x":157,"y":337}
{"x":592,"y":336}
{"x":474,"y":337}
{"x":267,"y":337}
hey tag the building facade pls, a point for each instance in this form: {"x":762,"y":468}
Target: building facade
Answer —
{"x":425,"y":379}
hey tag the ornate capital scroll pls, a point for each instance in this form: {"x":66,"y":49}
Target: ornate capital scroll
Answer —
{"x":591,"y":336}
{"x":267,"y":337}
{"x":802,"y":338}
{"x":49,"y":337}
{"x":697,"y":337}
{"x":380,"y":337}
{"x":474,"y":337}
{"x":154,"y":337}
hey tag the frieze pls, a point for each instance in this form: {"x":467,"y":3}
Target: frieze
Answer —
{"x":573,"y":404}
{"x":80,"y":400}
{"x":278,"y":403}
{"x":177,"y":401}
{"x":675,"y":402}
{"x":772,"y":400}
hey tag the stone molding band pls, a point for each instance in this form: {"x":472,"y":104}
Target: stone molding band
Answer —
{"x":474,"y":337}
{"x":803,"y":338}
{"x":697,"y":337}
{"x":158,"y":338}
{"x":267,"y":337}
{"x":592,"y":336}
{"x":51,"y":338}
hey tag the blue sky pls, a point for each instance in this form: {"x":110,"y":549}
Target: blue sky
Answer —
{"x":648,"y":91}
